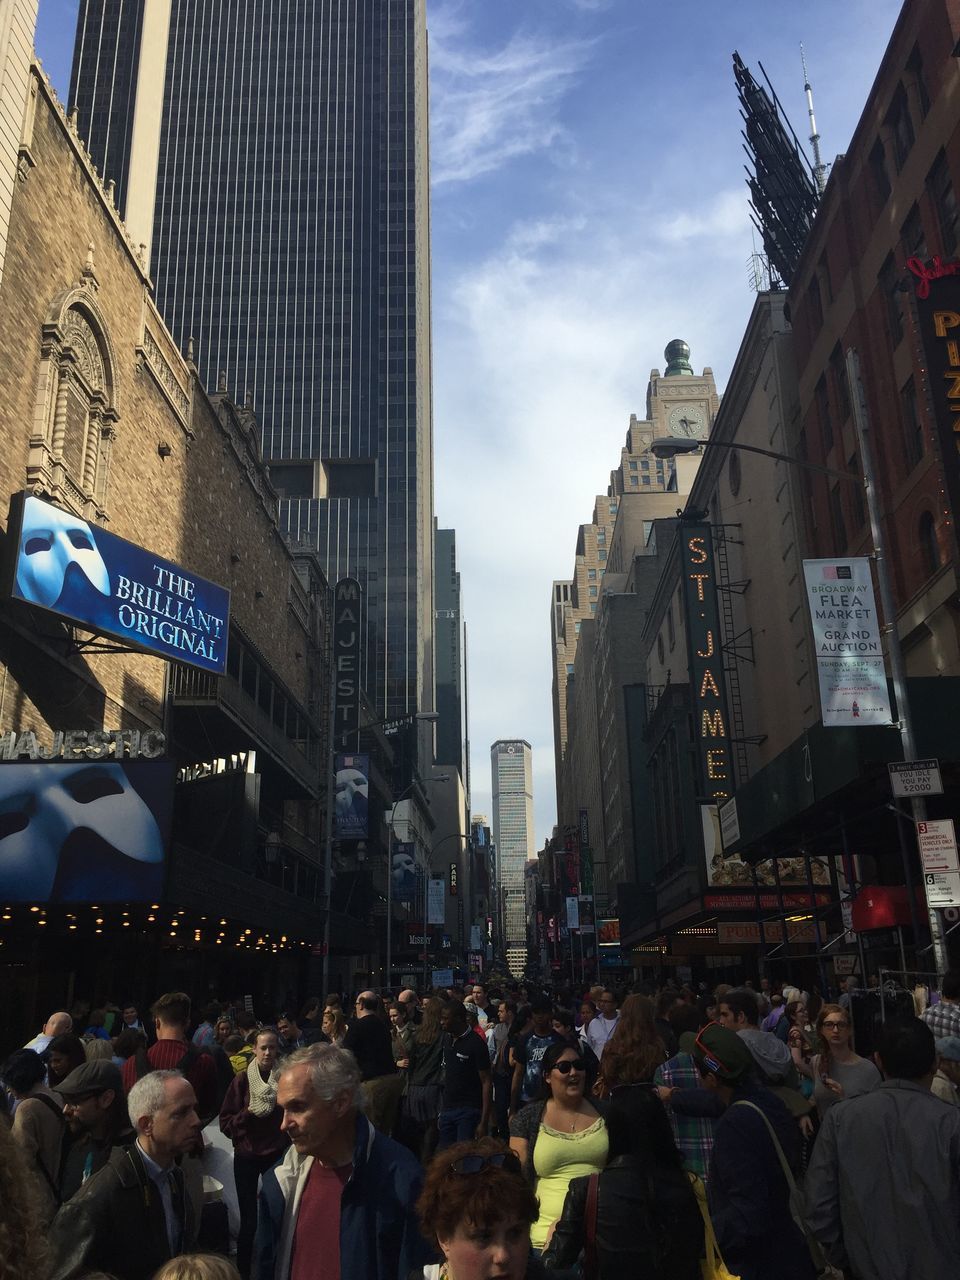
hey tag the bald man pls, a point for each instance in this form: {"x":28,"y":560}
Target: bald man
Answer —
{"x":411,"y":1003}
{"x":368,"y":1039}
{"x":58,"y":1024}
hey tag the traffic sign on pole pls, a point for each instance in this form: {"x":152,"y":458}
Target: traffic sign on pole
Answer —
{"x":938,"y":846}
{"x":915,"y":778}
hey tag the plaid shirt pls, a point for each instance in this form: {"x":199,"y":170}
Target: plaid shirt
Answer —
{"x":943,"y":1019}
{"x":692,"y":1134}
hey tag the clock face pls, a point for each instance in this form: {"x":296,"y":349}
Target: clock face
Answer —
{"x":688,"y":420}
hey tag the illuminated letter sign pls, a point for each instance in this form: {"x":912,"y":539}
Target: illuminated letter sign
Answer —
{"x":113,"y":587}
{"x":711,"y":719}
{"x":346,"y":656}
{"x":938,"y":311}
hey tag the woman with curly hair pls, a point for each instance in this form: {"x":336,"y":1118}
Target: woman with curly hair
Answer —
{"x":477,"y":1209}
{"x":22,"y":1240}
{"x":635,"y":1049}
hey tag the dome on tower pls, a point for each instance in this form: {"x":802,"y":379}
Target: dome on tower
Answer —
{"x":677,"y":356}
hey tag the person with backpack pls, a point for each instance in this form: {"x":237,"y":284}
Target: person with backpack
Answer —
{"x":174,"y":1052}
{"x":38,"y":1124}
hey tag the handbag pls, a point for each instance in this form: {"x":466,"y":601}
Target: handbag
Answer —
{"x":822,"y":1267}
{"x":712,"y":1266}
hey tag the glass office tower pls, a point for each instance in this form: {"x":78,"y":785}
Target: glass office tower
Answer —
{"x":272,"y":157}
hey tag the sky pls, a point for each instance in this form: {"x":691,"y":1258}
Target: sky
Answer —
{"x":588,"y":205}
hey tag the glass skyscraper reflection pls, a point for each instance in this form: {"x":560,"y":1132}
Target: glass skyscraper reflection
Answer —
{"x":272,"y":156}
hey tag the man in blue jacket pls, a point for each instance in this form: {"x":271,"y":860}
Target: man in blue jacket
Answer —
{"x":341,"y":1202}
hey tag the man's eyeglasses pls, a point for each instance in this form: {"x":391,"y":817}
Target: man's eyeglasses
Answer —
{"x":496,"y":1160}
{"x":566,"y":1065}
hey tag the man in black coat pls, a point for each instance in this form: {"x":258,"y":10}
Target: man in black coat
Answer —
{"x":132,"y":1216}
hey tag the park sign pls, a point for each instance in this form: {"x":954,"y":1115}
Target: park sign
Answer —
{"x":112,"y":587}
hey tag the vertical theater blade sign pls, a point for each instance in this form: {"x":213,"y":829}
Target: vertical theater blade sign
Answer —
{"x":704,"y":647}
{"x":346,"y":658}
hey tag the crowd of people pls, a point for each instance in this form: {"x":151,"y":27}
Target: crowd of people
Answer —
{"x":666,"y":1134}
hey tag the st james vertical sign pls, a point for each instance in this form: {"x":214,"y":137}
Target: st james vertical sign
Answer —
{"x":711,"y":719}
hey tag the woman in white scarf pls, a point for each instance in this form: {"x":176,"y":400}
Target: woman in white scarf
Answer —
{"x":251,"y":1119}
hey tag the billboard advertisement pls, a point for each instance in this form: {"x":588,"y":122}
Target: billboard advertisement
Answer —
{"x":350,"y":804}
{"x":730,"y":870}
{"x":608,"y":931}
{"x":404,"y":873}
{"x":846,"y":641}
{"x":113,"y":587}
{"x":436,"y":900}
{"x":93,"y":831}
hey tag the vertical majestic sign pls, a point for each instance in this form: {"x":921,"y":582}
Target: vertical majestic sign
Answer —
{"x":846,"y":640}
{"x":346,"y":657}
{"x":704,"y":654}
{"x":938,"y":314}
{"x":586,"y":854}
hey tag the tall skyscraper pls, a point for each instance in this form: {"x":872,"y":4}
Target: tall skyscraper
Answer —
{"x":451,"y":701}
{"x":511,"y":762}
{"x":272,"y":157}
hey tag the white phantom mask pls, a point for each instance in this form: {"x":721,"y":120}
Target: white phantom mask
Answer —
{"x":50,"y":541}
{"x":41,"y":806}
{"x":350,"y":782}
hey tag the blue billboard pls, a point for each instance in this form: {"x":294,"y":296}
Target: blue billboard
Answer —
{"x":114,"y":587}
{"x":88,"y":831}
{"x":352,"y":793}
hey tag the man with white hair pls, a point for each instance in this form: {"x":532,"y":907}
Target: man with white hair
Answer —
{"x":344,"y":1193}
{"x":132,"y":1216}
{"x":58,"y":1024}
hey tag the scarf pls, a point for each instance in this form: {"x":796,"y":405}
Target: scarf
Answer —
{"x":263,"y":1093}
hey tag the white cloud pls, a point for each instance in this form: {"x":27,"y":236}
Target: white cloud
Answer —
{"x":490,"y":108}
{"x":725,"y":217}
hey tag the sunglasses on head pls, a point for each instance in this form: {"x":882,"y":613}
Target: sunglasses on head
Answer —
{"x":496,"y":1160}
{"x":566,"y":1065}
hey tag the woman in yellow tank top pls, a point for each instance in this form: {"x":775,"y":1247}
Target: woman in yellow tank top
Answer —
{"x":559,"y":1138}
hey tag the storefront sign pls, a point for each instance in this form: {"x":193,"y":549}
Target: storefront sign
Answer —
{"x":113,"y":587}
{"x":750,"y":901}
{"x":938,"y":314}
{"x":352,"y":793}
{"x":704,"y":653}
{"x":748,"y":933}
{"x":346,"y":657}
{"x":84,"y":744}
{"x":846,"y":641}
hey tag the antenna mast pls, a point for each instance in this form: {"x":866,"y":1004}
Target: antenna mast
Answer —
{"x":819,"y":168}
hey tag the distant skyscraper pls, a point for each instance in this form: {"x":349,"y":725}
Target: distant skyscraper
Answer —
{"x":272,"y":157}
{"x":511,"y":762}
{"x":450,"y":657}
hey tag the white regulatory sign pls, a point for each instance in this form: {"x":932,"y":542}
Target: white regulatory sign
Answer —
{"x":942,"y":888}
{"x":938,"y":847}
{"x":915,"y":778}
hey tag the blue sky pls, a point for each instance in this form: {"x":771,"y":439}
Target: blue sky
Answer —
{"x":589,"y":205}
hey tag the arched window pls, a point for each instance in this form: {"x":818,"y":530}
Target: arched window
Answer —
{"x":929,"y":546}
{"x":76,"y":405}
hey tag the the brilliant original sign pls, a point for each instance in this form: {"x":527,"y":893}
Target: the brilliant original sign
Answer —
{"x":846,"y":641}
{"x":710,"y":717}
{"x":115,"y":588}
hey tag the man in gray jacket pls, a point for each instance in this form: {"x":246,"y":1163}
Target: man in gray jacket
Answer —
{"x":883,"y":1187}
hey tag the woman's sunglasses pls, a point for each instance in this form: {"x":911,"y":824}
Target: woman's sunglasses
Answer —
{"x":497,"y":1160}
{"x":566,"y":1065}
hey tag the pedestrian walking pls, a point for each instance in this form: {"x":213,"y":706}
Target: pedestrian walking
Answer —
{"x":420,"y":1106}
{"x":837,"y":1071}
{"x":368,"y":1039}
{"x":466,"y":1099}
{"x":95,"y":1113}
{"x":38,"y":1124}
{"x":634,"y":1050}
{"x":23,"y":1245}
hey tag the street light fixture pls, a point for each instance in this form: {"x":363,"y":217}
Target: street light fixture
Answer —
{"x":671,"y":447}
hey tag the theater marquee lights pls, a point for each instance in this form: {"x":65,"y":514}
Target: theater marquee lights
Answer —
{"x":704,"y":648}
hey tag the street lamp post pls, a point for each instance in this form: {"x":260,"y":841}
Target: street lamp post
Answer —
{"x":670,"y":447}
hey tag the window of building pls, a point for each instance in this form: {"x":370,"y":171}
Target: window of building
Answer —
{"x":601,"y":556}
{"x":878,"y":171}
{"x":569,"y":668}
{"x":823,"y":413}
{"x":593,"y":593}
{"x":633,"y":465}
{"x":915,"y":72}
{"x":889,"y":281}
{"x":592,"y":574}
{"x":929,"y":546}
{"x":645,"y":464}
{"x":576,"y":628}
{"x":634,"y":480}
{"x":646,"y":480}
{"x":901,"y":127}
{"x":647,"y":529}
{"x":838,"y":370}
{"x":292,"y":479}
{"x":593,"y":608}
{"x":944,"y":200}
{"x":836,"y":519}
{"x":913,"y":444}
{"x":913,"y":236}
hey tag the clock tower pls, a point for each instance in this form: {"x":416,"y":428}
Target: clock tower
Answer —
{"x":679,"y":402}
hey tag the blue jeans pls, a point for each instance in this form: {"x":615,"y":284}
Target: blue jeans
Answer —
{"x":458,"y":1125}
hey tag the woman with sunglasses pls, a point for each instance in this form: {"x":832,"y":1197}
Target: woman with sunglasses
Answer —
{"x":477,"y":1207}
{"x":837,"y":1071}
{"x":560,"y":1137}
{"x":646,"y":1221}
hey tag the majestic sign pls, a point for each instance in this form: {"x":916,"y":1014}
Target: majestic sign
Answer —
{"x":938,"y":314}
{"x":846,"y":641}
{"x":352,"y":796}
{"x":89,"y":831}
{"x":346,"y":657}
{"x":84,"y":744}
{"x":708,"y":691}
{"x":113,"y":587}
